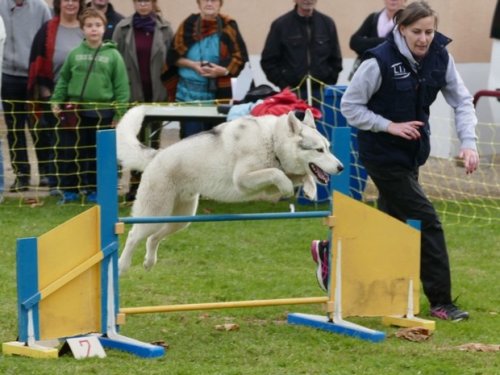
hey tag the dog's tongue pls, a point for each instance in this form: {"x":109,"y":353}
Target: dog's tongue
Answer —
{"x":319,"y":173}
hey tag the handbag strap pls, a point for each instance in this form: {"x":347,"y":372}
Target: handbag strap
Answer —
{"x":88,"y":73}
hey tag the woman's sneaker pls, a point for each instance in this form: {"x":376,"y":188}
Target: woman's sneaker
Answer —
{"x":320,"y":251}
{"x":449,"y":312}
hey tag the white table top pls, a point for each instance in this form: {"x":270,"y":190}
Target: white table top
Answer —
{"x":182,"y":112}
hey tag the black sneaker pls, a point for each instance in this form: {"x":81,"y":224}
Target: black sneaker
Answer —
{"x":320,"y":251}
{"x":449,"y":312}
{"x":20,"y":184}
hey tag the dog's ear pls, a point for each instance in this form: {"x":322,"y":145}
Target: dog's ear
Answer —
{"x":294,"y":123}
{"x":309,"y":119}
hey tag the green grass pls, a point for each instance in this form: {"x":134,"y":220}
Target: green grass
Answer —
{"x":257,"y":260}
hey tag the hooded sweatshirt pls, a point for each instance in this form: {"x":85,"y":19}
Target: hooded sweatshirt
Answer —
{"x":21,"y":26}
{"x":107,"y":82}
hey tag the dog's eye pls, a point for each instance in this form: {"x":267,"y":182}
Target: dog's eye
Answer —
{"x":321,"y":150}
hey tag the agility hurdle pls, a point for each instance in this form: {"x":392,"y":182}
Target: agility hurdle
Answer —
{"x":386,"y":291}
{"x":377,"y":286}
{"x":67,"y":279}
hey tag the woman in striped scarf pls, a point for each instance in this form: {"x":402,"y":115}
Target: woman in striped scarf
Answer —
{"x":207,"y":51}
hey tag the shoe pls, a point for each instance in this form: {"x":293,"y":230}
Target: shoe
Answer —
{"x":20,"y":184}
{"x":320,"y":251}
{"x":68,"y":196}
{"x":449,"y":312}
{"x":91,"y":197}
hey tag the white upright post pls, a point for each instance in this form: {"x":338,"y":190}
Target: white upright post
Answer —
{"x":309,"y":91}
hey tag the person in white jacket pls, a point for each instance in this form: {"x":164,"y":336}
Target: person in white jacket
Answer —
{"x":2,"y":42}
{"x":22,"y":19}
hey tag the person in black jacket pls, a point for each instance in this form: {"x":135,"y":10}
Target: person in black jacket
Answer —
{"x":373,"y":30}
{"x":302,"y":42}
{"x":111,"y":14}
{"x":495,"y":25}
{"x":388,"y":101}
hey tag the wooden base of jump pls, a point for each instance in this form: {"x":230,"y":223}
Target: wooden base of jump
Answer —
{"x":342,"y":327}
{"x":34,"y":350}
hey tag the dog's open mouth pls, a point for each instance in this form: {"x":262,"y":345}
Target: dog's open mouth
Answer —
{"x":320,"y":174}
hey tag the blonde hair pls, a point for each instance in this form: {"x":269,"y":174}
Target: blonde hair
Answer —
{"x":156,"y":8}
{"x":92,"y":13}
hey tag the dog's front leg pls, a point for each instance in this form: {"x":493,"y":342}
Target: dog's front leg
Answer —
{"x":264,"y":179}
{"x":126,"y":256}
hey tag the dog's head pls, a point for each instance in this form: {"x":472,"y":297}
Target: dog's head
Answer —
{"x":307,"y":154}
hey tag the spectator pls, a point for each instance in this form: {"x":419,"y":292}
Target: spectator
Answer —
{"x":50,"y":47}
{"x":2,"y":42}
{"x":22,"y":19}
{"x":388,"y":100}
{"x":373,"y":30}
{"x":302,"y":42}
{"x":207,"y":51}
{"x":111,"y":14}
{"x":143,"y":40}
{"x":495,"y":24}
{"x":93,"y":73}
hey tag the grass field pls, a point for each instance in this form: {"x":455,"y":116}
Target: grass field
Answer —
{"x":257,"y":260}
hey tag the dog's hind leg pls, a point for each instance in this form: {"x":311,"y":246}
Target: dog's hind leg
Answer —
{"x":184,"y":208}
{"x":154,"y":240}
{"x":136,"y":234}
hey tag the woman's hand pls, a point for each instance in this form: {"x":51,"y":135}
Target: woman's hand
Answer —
{"x":408,"y":130}
{"x":211,"y":70}
{"x":203,"y":68}
{"x":470,"y":158}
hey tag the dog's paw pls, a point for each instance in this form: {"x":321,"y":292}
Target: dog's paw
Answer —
{"x":123,"y":266}
{"x":148,"y":264}
{"x":287,"y":190}
{"x":309,"y":188}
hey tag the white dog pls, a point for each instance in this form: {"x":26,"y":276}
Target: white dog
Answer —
{"x":246,"y":159}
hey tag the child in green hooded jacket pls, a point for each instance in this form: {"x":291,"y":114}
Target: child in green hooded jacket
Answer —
{"x":104,"y":98}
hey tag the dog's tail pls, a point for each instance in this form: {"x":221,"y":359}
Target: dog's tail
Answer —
{"x":132,"y":153}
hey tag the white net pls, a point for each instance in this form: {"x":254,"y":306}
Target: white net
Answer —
{"x":459,"y":198}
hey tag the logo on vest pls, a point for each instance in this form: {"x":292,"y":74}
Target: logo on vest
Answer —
{"x":399,"y":71}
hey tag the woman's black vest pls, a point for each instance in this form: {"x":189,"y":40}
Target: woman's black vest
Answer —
{"x":404,"y":95}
